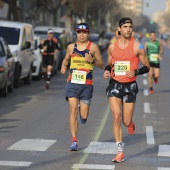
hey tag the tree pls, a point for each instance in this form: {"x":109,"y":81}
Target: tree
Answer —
{"x":14,"y":12}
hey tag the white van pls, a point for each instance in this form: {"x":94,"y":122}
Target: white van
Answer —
{"x":37,"y":65}
{"x":20,"y":38}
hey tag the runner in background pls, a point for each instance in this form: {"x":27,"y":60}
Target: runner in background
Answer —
{"x":154,"y":51}
{"x":48,"y":48}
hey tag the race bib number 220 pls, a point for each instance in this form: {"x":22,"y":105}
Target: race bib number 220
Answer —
{"x":121,"y":67}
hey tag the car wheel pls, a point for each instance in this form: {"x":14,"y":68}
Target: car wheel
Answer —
{"x":28,"y":79}
{"x":4,"y":91}
{"x":11,"y":86}
{"x":17,"y":74}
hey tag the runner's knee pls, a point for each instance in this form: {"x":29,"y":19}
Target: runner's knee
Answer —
{"x":116,"y":118}
{"x":126,"y":122}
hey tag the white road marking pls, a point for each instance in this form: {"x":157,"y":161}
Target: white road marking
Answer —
{"x":32,"y":145}
{"x":145,"y":92}
{"x":93,"y":166}
{"x":162,"y":168}
{"x":147,"y":108}
{"x":149,"y":135}
{"x":102,"y":147}
{"x":15,"y":163}
{"x":164,"y":150}
{"x":144,"y":75}
{"x":145,"y":82}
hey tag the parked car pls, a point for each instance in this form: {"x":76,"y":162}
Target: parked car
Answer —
{"x":19,"y":37}
{"x":7,"y":66}
{"x":94,"y":37}
{"x":107,"y":39}
{"x":37,"y":65}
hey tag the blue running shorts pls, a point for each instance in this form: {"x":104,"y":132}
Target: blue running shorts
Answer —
{"x":83,"y":92}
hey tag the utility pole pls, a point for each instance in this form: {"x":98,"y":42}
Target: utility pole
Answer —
{"x":24,"y":10}
{"x":99,"y":19}
{"x":85,"y":9}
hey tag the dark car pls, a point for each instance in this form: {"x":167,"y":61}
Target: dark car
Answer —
{"x":7,"y":66}
{"x":94,"y":37}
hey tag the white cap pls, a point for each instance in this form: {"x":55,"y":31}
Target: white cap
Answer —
{"x":50,"y":31}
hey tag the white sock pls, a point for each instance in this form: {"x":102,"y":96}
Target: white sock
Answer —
{"x":120,"y":146}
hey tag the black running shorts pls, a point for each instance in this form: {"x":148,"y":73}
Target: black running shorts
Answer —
{"x":125,"y":91}
{"x":155,"y":65}
{"x":48,"y":60}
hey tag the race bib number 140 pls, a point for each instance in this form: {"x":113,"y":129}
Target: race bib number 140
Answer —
{"x":78,"y":77}
{"x":121,"y":67}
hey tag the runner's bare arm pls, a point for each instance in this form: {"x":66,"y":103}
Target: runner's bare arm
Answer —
{"x":145,"y":46}
{"x":67,"y":58}
{"x":106,"y":73}
{"x":161,"y":51}
{"x":140,"y":52}
{"x":143,"y":57}
{"x":98,"y":61}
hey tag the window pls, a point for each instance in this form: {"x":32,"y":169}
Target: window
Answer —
{"x":10,"y":34}
{"x":2,"y":52}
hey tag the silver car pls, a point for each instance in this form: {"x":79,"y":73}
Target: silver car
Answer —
{"x":7,"y":66}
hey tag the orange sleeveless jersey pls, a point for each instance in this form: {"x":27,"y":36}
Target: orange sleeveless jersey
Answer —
{"x":124,"y":60}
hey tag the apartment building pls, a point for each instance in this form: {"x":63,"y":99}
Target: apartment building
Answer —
{"x":134,"y":6}
{"x":167,"y":6}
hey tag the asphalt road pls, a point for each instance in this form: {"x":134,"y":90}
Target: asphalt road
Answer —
{"x":35,"y":135}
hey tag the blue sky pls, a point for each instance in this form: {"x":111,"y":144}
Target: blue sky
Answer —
{"x":154,"y":5}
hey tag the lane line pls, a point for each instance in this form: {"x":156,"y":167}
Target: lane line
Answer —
{"x":147,"y":107}
{"x":164,"y":150}
{"x":145,"y":75}
{"x":145,"y":82}
{"x":32,"y":145}
{"x":149,"y":135}
{"x":101,"y":127}
{"x":15,"y":163}
{"x":145,"y":92}
{"x":93,"y":166}
{"x":163,"y":168}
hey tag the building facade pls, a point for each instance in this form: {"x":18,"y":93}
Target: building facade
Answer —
{"x":134,"y":6}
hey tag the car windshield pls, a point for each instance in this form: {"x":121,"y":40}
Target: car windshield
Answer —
{"x":43,"y":34}
{"x":11,"y":35}
{"x":2,"y":53}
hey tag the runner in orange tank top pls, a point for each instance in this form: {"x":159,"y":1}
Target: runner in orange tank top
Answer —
{"x":122,"y":69}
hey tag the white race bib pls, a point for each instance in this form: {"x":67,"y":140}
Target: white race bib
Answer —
{"x":120,"y":67}
{"x":78,"y":77}
{"x":154,"y":57}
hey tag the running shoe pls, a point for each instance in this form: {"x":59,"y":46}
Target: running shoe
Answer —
{"x":83,"y":121}
{"x":47,"y":85}
{"x":156,"y":80}
{"x":74,"y":146}
{"x":151,"y":91}
{"x":44,"y":77}
{"x":119,"y":157}
{"x":131,"y":128}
